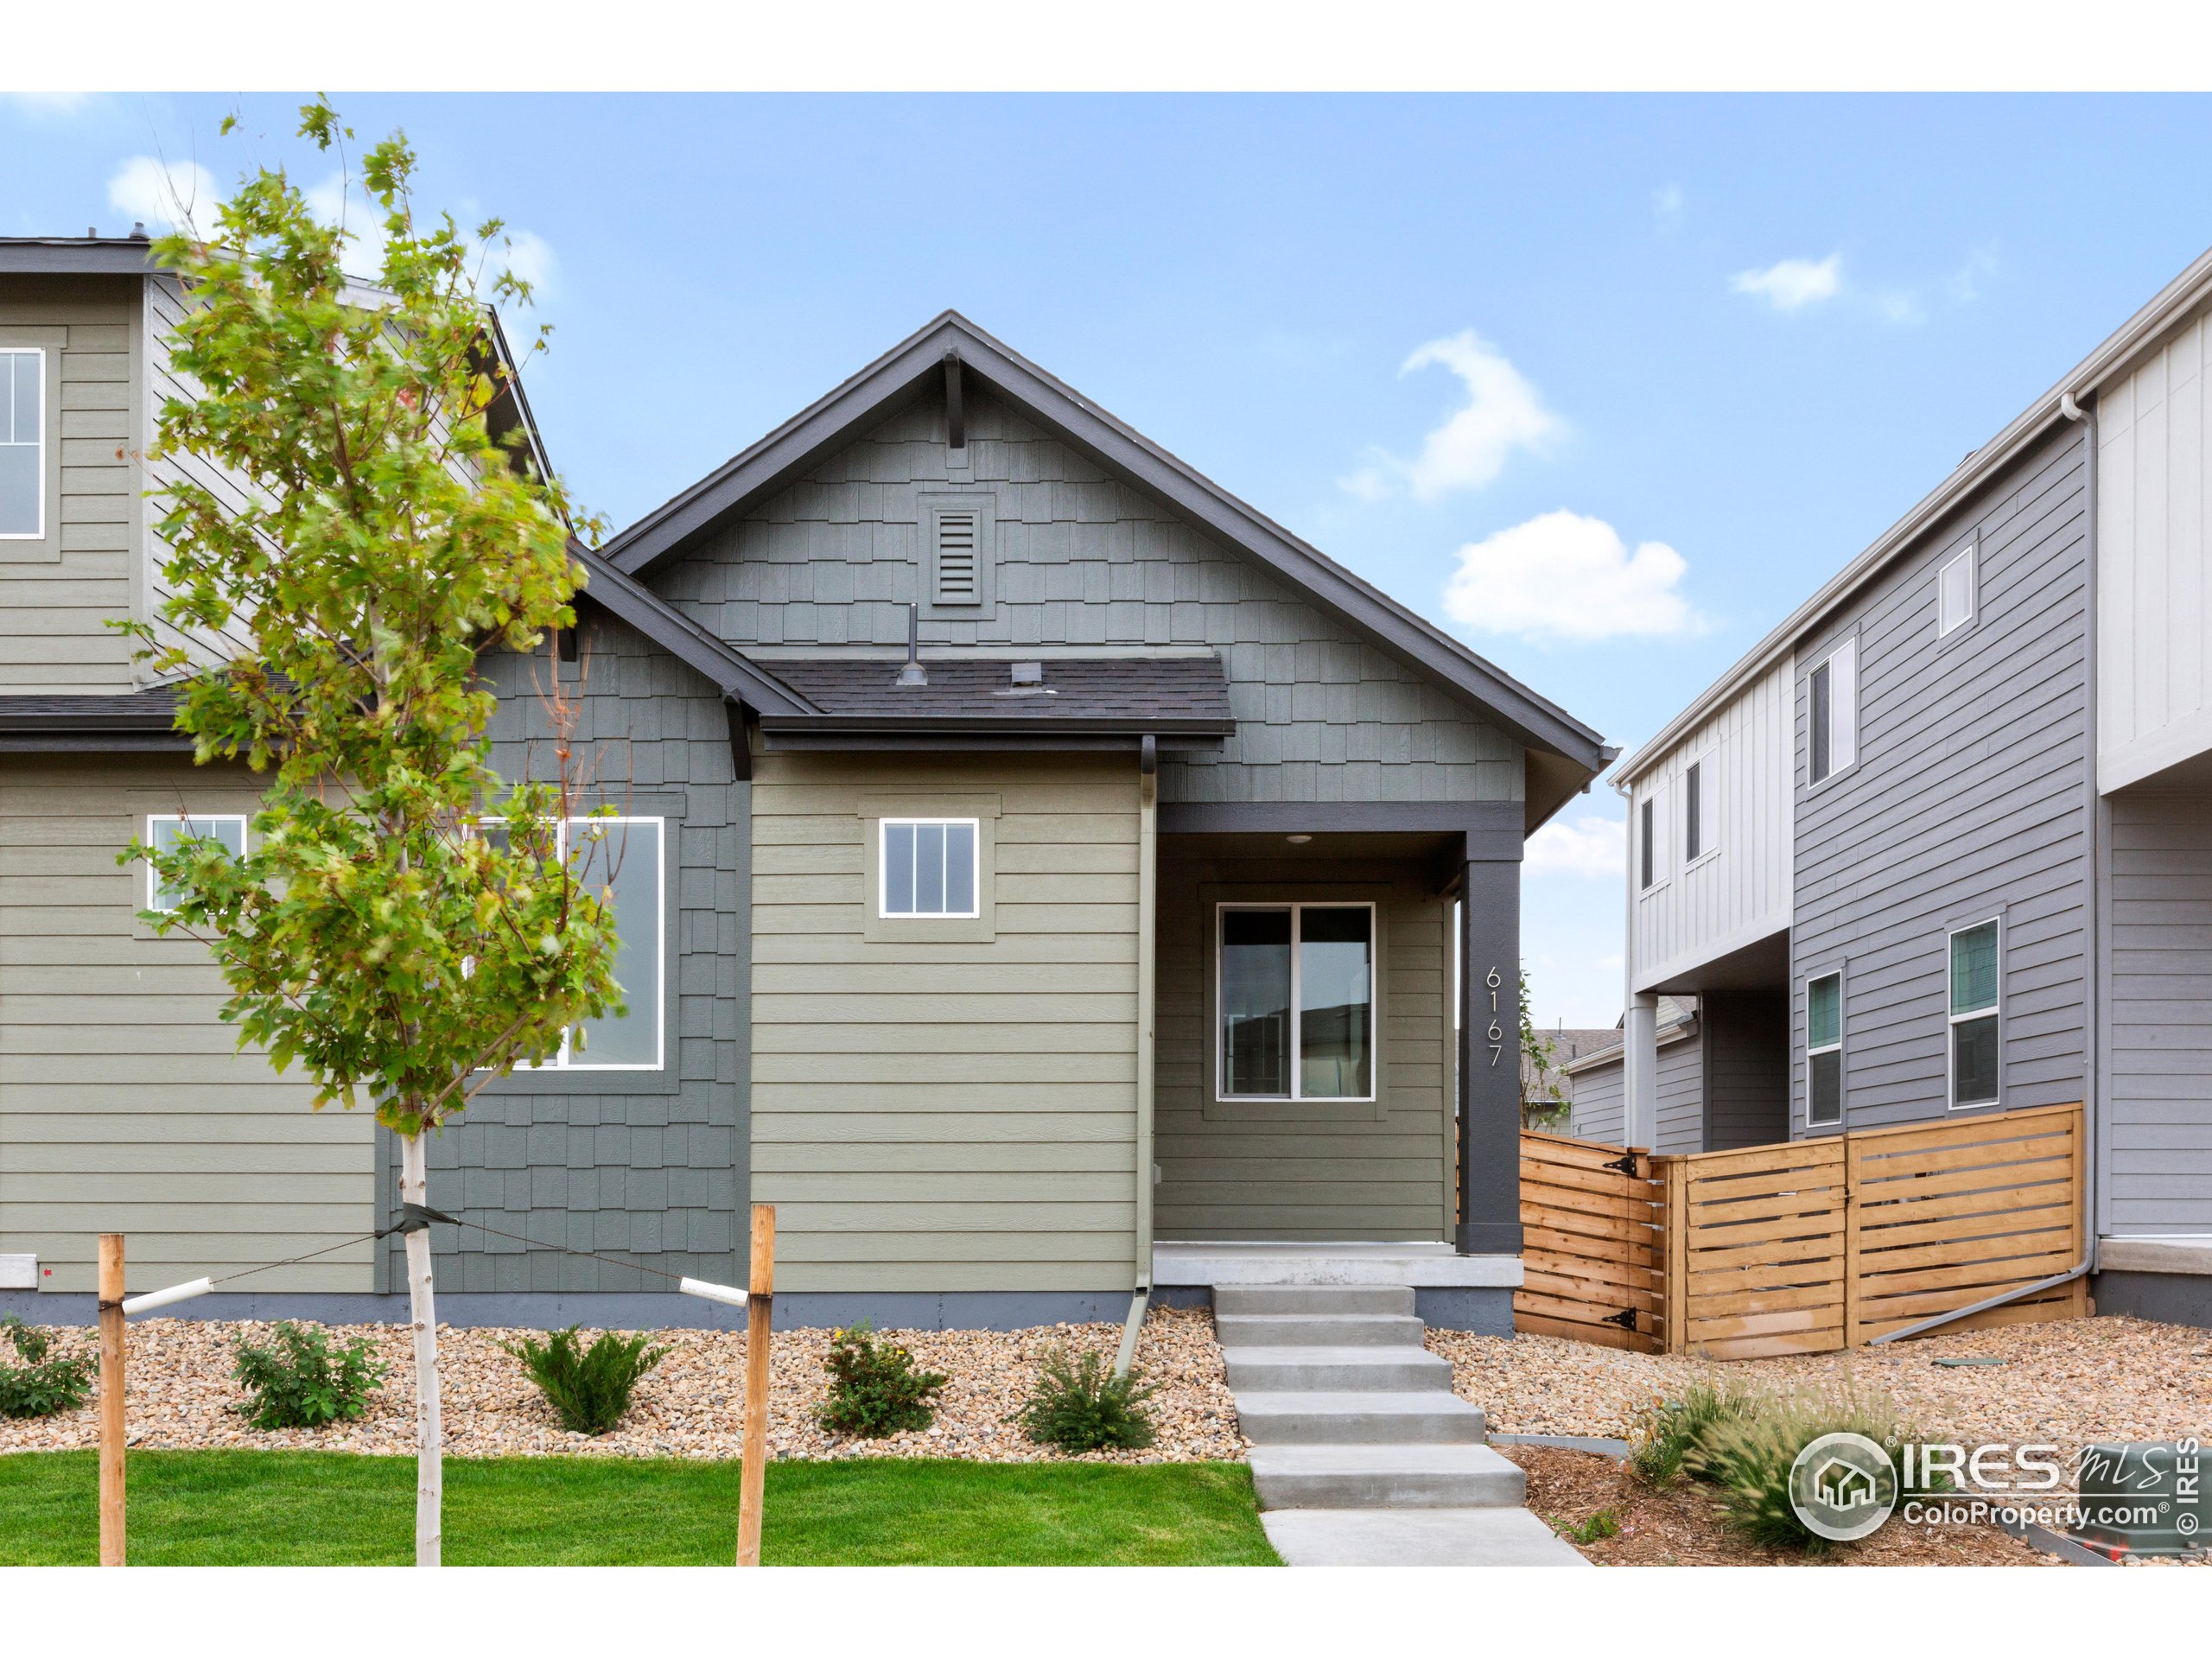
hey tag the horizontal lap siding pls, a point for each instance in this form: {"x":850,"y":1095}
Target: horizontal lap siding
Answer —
{"x":1600,"y":1108}
{"x":2158,"y":1083}
{"x":1334,"y":1171}
{"x":123,"y":1103}
{"x":1969,"y":800}
{"x":1682,"y":1097}
{"x":947,"y":1116}
{"x":1083,"y":560}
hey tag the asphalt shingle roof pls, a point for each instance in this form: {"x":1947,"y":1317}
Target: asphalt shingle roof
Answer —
{"x":1136,"y":688}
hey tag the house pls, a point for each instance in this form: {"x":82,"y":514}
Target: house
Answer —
{"x":1941,"y":842}
{"x":1597,"y":1087}
{"x":1545,"y":1089}
{"x":1037,"y":874}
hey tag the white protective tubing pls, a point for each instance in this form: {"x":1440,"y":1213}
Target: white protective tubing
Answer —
{"x":711,"y":1293}
{"x":154,"y":1298}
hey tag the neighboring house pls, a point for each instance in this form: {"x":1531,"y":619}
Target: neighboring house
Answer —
{"x":1127,"y":921}
{"x":1597,"y":1094}
{"x":1544,"y":1085}
{"x":1941,"y":842}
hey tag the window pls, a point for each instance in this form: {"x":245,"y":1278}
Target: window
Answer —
{"x":1297,"y":992}
{"x":1954,"y":595}
{"x":1695,"y":844}
{"x":1643,"y":844}
{"x":621,"y":861}
{"x":928,"y":868}
{"x":1824,"y":1050}
{"x":1651,"y":838}
{"x":1835,"y":711}
{"x":165,"y":829}
{"x":23,"y":444}
{"x":1974,"y":959}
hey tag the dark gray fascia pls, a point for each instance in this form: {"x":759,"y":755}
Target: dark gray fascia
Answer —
{"x":76,"y":255}
{"x":623,"y":597}
{"x":1492,"y":829}
{"x":938,"y":741}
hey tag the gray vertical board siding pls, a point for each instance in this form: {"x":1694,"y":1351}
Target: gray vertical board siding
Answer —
{"x":1082,"y":560}
{"x":646,"y":1165}
{"x":1969,"y":800}
{"x":1319,"y":1170}
{"x":61,"y":591}
{"x":1600,"y":1104}
{"x":2157,"y":1175}
{"x":1746,"y":1039}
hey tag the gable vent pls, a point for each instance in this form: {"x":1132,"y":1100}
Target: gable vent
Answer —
{"x":959,"y":577}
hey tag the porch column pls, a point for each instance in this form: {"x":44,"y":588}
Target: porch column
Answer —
{"x":1490,"y":1051}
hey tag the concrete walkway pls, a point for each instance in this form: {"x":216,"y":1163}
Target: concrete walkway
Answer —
{"x":1362,"y":1455}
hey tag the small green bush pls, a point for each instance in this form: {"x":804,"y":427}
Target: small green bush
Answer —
{"x":1662,"y":1437}
{"x":1604,"y":1524}
{"x":42,"y":1386}
{"x":1749,"y":1457}
{"x":874,"y":1390}
{"x":1080,"y":1405}
{"x":302,"y":1382}
{"x":588,"y":1387}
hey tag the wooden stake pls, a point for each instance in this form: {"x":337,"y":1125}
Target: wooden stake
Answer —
{"x":760,"y":1306}
{"x":111,"y":1300}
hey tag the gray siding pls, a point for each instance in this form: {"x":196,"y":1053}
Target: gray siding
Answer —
{"x":1600,"y":1103}
{"x":1969,"y":800}
{"x":2158,"y":1078}
{"x":1745,"y":1037}
{"x":641,"y":1164}
{"x":1082,"y":561}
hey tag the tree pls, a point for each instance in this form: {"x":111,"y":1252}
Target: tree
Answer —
{"x":1543,"y":1101}
{"x":402,"y":926}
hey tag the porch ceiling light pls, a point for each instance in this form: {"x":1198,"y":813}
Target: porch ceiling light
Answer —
{"x":1298,"y":841}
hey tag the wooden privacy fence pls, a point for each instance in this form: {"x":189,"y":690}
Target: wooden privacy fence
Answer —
{"x":1806,"y":1246}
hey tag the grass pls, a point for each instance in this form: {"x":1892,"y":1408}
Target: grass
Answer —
{"x":338,"y":1509}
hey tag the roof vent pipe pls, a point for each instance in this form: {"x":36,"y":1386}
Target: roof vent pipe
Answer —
{"x":913,"y":673}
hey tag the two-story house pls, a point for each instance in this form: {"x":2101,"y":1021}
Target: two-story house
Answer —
{"x":1038,"y":879}
{"x":1942,"y":842}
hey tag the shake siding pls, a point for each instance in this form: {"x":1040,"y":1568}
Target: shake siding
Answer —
{"x":124,"y":1105}
{"x":60,"y":592}
{"x":942,"y":1115}
{"x":1318,"y":1170}
{"x":1084,"y":563}
{"x":2158,"y":1167}
{"x":1967,"y":801}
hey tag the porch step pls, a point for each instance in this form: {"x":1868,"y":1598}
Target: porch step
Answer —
{"x":1385,"y":1477}
{"x":1416,"y":1537}
{"x":1348,"y":1417}
{"x":1288,"y":1368}
{"x":1319,"y":1330}
{"x":1312,"y":1299}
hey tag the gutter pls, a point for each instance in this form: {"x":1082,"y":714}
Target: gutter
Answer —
{"x":1147,"y":923}
{"x":2093,"y":1124}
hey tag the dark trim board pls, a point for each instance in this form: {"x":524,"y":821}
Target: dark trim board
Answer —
{"x":1492,"y":829}
{"x":2169,"y":1298}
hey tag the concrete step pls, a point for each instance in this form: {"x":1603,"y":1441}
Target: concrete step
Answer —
{"x":1312,"y":1299}
{"x":1473,"y":1537}
{"x":1339,"y":1417}
{"x":1286,"y":1369}
{"x":1318,"y":1330}
{"x":1385,"y":1477}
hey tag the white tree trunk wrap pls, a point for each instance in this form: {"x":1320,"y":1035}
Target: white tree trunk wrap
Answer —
{"x":430,"y":1440}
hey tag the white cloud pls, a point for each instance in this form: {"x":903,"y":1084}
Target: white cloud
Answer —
{"x":1667,"y":206}
{"x":1788,"y":284}
{"x":1586,"y":846}
{"x":168,"y":194}
{"x":1563,"y":575}
{"x":55,"y":104}
{"x":1503,"y":412}
{"x":528,"y":255}
{"x":1965,"y":283}
{"x":338,"y":202}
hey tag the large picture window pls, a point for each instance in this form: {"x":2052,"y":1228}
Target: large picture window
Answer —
{"x":1297,"y":1001}
{"x":165,"y":829}
{"x":622,"y":861}
{"x":1975,"y":957}
{"x":1824,"y":1051}
{"x":23,"y":444}
{"x":929,"y":868}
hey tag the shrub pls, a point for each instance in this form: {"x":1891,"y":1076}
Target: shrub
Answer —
{"x":874,"y":1390}
{"x":1663,"y":1436}
{"x":42,"y":1386}
{"x":1748,"y":1458}
{"x":588,"y":1387}
{"x":302,"y":1382}
{"x":1080,"y":1405}
{"x":1604,"y":1524}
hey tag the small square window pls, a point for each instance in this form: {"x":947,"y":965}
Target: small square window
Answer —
{"x":929,"y":868}
{"x":165,"y":830}
{"x":1954,"y":592}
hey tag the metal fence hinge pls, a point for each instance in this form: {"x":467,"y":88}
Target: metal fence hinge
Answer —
{"x":1625,"y":1163}
{"x":1625,"y":1319}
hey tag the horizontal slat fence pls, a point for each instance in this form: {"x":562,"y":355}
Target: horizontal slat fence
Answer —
{"x":1758,"y":1267}
{"x":1591,"y":1243}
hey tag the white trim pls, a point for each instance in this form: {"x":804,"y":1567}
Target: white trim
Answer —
{"x":1835,"y":1048}
{"x":45,"y":377}
{"x":1953,"y":1019}
{"x":883,"y":910}
{"x":1843,"y":695}
{"x":153,"y":877}
{"x":1966,"y":556}
{"x":1659,"y":836}
{"x":1705,"y":760}
{"x":1295,"y":1095}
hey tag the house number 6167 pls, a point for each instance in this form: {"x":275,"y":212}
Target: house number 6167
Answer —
{"x":1496,"y":1032}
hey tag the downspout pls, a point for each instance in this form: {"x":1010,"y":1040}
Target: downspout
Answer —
{"x":1147,"y":909}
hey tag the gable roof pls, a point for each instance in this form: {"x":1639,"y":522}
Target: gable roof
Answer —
{"x":916,"y":366}
{"x":737,"y":677}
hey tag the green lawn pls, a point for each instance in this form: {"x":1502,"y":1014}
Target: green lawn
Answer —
{"x":341,"y":1509}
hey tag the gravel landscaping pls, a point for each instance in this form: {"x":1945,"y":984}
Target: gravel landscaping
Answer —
{"x":181,"y":1396}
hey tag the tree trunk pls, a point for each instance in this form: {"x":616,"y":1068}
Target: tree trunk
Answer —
{"x":430,"y":1440}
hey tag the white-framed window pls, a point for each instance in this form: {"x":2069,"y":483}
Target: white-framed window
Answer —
{"x":1955,"y":596}
{"x":1824,"y":1051}
{"x":1698,"y":831}
{"x":1296,"y":990}
{"x":928,"y":868}
{"x":23,"y":443}
{"x":165,"y":829}
{"x":1977,"y":955}
{"x":1651,"y":838}
{"x":624,"y":861}
{"x":1834,"y":713}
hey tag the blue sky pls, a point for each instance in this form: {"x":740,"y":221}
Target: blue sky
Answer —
{"x":1637,"y":372}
